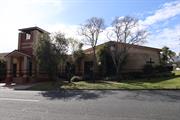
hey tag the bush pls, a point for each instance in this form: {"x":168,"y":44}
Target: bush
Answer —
{"x":148,"y":69}
{"x":132,"y":75}
{"x":157,"y":71}
{"x":163,"y":68}
{"x":2,"y":69}
{"x":165,"y":74}
{"x":106,"y":66}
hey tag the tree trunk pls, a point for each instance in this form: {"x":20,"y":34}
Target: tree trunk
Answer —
{"x":118,"y":74}
{"x":94,"y":64}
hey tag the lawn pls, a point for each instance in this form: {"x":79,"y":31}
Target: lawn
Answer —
{"x":154,"y":83}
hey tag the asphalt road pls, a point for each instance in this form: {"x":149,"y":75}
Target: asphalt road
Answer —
{"x":89,"y":105}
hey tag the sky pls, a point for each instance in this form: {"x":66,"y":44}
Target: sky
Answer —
{"x":161,"y":18}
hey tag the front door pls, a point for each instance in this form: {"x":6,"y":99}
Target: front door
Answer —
{"x":14,"y":70}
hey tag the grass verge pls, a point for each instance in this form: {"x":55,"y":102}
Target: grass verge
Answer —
{"x":154,"y":83}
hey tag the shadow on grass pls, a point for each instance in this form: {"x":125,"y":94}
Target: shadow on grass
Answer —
{"x":154,"y":95}
{"x":76,"y":94}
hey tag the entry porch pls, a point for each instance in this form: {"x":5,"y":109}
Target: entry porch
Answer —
{"x":19,"y":67}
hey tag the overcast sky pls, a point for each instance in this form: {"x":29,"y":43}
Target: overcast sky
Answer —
{"x":160,"y":17}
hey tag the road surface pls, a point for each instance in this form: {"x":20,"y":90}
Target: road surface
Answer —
{"x":89,"y":105}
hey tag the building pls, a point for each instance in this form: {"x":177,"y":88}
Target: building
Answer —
{"x":138,"y":56}
{"x":21,"y":65}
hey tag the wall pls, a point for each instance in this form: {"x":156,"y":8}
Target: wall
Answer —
{"x":138,"y":57}
{"x":26,"y":46}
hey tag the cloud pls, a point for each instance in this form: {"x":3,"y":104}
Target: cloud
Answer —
{"x":72,"y":31}
{"x":17,"y":14}
{"x":167,"y":11}
{"x":160,"y":35}
{"x":68,"y":30}
{"x":169,"y":37}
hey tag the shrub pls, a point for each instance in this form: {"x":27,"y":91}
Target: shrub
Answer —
{"x":157,"y":71}
{"x":106,"y":66}
{"x":2,"y":69}
{"x":132,"y":75}
{"x":148,"y":69}
{"x":163,"y":68}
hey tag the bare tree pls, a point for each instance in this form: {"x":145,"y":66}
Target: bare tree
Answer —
{"x":125,"y":32}
{"x":91,"y":30}
{"x":74,"y":44}
{"x":77,"y":52}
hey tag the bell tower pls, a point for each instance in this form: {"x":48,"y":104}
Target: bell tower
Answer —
{"x":26,"y":38}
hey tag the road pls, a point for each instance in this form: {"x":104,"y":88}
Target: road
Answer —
{"x":89,"y":105}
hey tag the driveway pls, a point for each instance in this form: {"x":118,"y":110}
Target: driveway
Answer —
{"x":89,"y":105}
{"x":13,"y":86}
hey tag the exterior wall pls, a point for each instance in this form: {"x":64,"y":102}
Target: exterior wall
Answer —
{"x":36,"y":35}
{"x":20,"y":65}
{"x":138,"y":57}
{"x":88,"y":58}
{"x":26,"y":45}
{"x":80,"y":68}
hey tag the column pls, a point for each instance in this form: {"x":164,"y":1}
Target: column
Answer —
{"x":25,"y":69}
{"x":33,"y":68}
{"x":9,"y":71}
{"x":18,"y":67}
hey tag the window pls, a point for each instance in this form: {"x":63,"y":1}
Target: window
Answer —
{"x":28,"y":36}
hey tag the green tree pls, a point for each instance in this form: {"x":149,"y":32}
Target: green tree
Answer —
{"x":77,"y":52}
{"x":102,"y":57}
{"x":78,"y":56}
{"x":167,"y":55}
{"x":49,"y":53}
{"x":60,"y":46}
{"x":105,"y":62}
{"x":45,"y":56}
{"x":2,"y":69}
